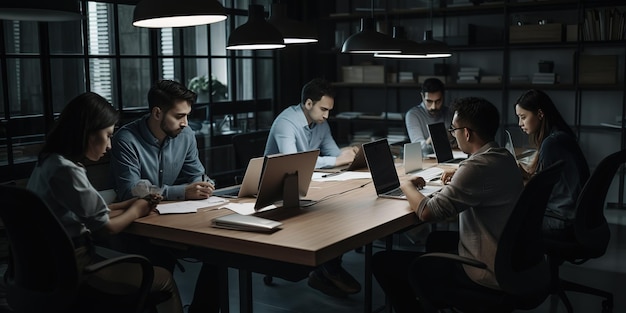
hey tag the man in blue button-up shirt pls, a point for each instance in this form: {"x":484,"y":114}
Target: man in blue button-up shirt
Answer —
{"x":303,"y":127}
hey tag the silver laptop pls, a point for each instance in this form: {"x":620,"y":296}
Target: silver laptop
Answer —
{"x":250,"y":184}
{"x":413,"y":163}
{"x":412,"y":157}
{"x":508,"y":143}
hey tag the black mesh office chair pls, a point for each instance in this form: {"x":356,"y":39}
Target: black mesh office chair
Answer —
{"x":249,"y":145}
{"x":43,"y":275}
{"x":521,"y":269}
{"x":591,"y":234}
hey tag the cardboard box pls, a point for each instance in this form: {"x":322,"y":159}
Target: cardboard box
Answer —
{"x":536,"y":33}
{"x":597,"y":69}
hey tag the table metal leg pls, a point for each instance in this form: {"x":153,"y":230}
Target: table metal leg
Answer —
{"x":245,"y":291}
{"x":224,"y":289}
{"x":367,"y":296}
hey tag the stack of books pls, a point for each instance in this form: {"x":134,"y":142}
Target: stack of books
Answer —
{"x":544,"y":78}
{"x":405,"y":77}
{"x":468,"y":75}
{"x":491,"y":79}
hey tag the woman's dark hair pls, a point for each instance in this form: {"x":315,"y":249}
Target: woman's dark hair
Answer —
{"x":534,"y":100}
{"x":166,"y":92}
{"x":81,"y":117}
{"x":480,"y":115}
{"x":316,"y":89}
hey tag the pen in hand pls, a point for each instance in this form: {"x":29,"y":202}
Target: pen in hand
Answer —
{"x":207,"y":179}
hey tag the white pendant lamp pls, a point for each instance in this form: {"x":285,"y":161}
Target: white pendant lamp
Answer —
{"x":179,"y":13}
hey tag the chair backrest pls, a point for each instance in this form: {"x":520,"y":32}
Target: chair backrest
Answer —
{"x":520,"y":265}
{"x":42,"y":274}
{"x":590,"y":226}
{"x":249,"y":145}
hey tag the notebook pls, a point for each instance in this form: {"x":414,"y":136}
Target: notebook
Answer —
{"x":250,"y":184}
{"x":357,"y":163}
{"x":441,"y":145}
{"x":383,"y":170}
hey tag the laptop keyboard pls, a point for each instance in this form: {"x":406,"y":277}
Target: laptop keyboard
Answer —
{"x":395,"y":192}
{"x":430,"y":173}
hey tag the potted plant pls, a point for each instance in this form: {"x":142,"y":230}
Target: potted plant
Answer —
{"x":200,"y":85}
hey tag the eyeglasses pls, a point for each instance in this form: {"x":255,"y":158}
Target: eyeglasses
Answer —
{"x":452,"y":129}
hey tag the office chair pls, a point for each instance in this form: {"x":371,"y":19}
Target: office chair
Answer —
{"x":249,"y":145}
{"x":43,"y":275}
{"x":591,"y":232}
{"x":520,"y":266}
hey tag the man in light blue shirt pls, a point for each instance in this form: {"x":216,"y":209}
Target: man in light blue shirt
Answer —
{"x":159,"y":147}
{"x":303,"y":127}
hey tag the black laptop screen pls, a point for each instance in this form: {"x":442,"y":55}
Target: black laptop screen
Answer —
{"x":381,"y":165}
{"x":441,"y":144}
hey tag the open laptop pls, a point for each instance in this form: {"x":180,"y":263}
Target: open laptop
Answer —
{"x":250,"y":184}
{"x":413,"y":163}
{"x":357,"y":163}
{"x":412,"y":157}
{"x":380,"y":162}
{"x":441,"y":145}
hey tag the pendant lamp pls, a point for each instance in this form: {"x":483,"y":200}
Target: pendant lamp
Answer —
{"x":256,"y":33}
{"x":409,"y":49}
{"x":179,"y":13}
{"x":293,"y":31}
{"x":368,"y":40}
{"x":40,"y":10}
{"x":434,"y":48}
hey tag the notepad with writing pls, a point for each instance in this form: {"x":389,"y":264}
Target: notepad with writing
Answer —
{"x":245,"y":222}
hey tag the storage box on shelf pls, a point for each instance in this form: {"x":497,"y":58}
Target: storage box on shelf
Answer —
{"x":597,"y":69}
{"x":536,"y":33}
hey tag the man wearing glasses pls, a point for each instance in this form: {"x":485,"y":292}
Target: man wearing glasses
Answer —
{"x":482,"y":193}
{"x":431,"y":110}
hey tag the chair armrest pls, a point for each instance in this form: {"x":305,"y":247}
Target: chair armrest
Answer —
{"x":454,"y":258}
{"x":147,"y":273}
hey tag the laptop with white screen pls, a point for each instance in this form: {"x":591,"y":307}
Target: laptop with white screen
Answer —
{"x":383,"y":170}
{"x":441,"y":145}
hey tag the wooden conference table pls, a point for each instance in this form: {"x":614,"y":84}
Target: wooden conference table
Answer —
{"x":349,"y":215}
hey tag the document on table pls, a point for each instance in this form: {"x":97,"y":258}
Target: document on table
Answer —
{"x":189,"y":206}
{"x":340,"y":176}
